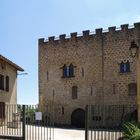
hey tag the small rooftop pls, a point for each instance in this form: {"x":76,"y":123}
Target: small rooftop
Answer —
{"x":11,"y":63}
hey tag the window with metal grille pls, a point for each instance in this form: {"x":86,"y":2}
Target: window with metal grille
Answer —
{"x":132,"y":89}
{"x":1,"y":82}
{"x":74,"y":92}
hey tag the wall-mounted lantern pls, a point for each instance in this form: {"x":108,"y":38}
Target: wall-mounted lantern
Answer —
{"x":133,"y":49}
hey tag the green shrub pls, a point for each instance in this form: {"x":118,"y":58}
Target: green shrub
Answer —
{"x":131,"y":131}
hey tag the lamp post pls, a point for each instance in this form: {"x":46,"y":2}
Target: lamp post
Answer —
{"x":135,"y":52}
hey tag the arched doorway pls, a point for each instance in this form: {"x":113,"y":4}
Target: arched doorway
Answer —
{"x":78,"y":118}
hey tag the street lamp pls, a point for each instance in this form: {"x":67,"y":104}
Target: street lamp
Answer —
{"x":133,"y":49}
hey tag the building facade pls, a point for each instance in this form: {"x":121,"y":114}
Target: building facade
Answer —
{"x":8,"y":80}
{"x":8,"y":90}
{"x":92,"y":68}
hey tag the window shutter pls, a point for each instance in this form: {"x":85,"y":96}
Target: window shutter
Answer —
{"x":1,"y":82}
{"x":7,"y":83}
{"x":2,"y":110}
{"x":121,"y":67}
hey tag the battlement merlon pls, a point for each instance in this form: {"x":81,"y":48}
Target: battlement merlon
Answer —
{"x":137,"y":31}
{"x":124,"y":27}
{"x":41,"y":41}
{"x":73,"y":36}
{"x":99,"y":31}
{"x":62,"y":37}
{"x":112,"y":29}
{"x":87,"y":33}
{"x":137,"y":25}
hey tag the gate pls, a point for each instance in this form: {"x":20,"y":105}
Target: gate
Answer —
{"x":26,"y":122}
{"x":105,"y":122}
{"x":11,"y":127}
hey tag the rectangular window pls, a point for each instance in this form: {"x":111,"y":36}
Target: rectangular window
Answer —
{"x":132,"y":89}
{"x":7,"y":83}
{"x":74,"y":92}
{"x":1,"y":82}
{"x":62,"y":110}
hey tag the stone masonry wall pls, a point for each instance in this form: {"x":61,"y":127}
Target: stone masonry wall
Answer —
{"x":96,"y":58}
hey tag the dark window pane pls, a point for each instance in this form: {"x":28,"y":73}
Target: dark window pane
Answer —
{"x":71,"y":70}
{"x":62,"y":110}
{"x":132,"y":89}
{"x":1,"y":82}
{"x":74,"y":92}
{"x":64,"y":71}
{"x":7,"y":83}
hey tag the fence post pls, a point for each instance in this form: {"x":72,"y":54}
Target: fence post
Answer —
{"x":86,"y":122}
{"x":23,"y":122}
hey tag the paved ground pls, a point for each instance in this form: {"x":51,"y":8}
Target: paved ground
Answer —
{"x":44,"y":133}
{"x":49,"y":133}
{"x":40,"y":133}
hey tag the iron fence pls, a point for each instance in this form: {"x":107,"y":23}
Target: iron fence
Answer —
{"x":106,"y":122}
{"x":26,"y":122}
{"x":33,"y":122}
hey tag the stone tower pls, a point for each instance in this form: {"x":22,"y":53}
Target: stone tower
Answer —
{"x":92,"y":68}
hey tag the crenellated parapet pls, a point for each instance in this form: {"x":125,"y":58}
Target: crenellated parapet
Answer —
{"x":87,"y":33}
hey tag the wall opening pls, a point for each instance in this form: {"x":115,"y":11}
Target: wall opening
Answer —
{"x":78,"y":118}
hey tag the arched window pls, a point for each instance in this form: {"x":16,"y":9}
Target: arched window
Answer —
{"x":65,"y":71}
{"x":71,"y":70}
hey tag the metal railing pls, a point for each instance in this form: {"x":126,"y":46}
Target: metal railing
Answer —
{"x":26,"y":122}
{"x":105,"y":122}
